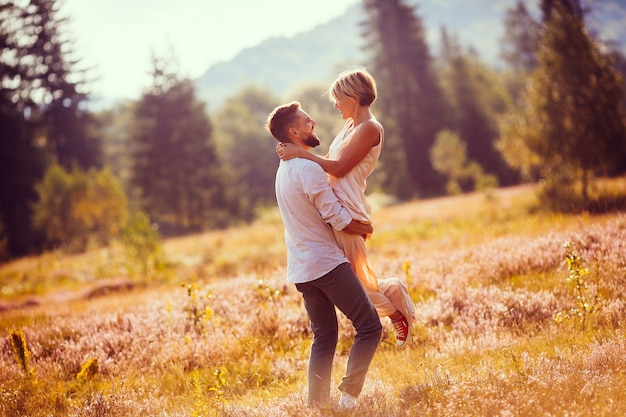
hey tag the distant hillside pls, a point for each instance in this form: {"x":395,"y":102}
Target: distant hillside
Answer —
{"x":280,"y":64}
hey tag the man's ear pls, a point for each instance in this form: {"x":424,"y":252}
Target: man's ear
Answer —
{"x":293,"y":131}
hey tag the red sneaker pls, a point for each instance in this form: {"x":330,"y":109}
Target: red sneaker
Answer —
{"x":402,"y":329}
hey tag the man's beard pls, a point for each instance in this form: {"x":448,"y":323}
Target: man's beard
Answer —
{"x":312,"y":140}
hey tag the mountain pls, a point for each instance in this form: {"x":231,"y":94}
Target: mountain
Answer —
{"x":318,"y":55}
{"x":282,"y":63}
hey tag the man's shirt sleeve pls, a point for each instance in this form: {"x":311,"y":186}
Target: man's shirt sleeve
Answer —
{"x":323,"y":197}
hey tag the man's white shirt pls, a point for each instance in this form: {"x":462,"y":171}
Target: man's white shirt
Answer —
{"x":309,"y":208}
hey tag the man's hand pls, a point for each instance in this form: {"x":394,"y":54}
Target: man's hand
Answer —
{"x":358,"y":228}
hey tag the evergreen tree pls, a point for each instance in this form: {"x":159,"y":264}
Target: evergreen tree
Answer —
{"x":619,"y":62}
{"x":245,"y":150}
{"x":572,"y":120}
{"x":521,"y":39}
{"x":518,"y":48}
{"x":116,"y":124}
{"x":57,"y":88}
{"x":580,"y":98}
{"x":20,"y":168}
{"x":175,"y":165}
{"x":42,"y":119}
{"x":571,"y":7}
{"x":410,"y":99}
{"x":476,"y":98}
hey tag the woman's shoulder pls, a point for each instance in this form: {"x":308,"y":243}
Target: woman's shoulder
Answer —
{"x":370,"y":132}
{"x":370,"y":127}
{"x":375,"y":123}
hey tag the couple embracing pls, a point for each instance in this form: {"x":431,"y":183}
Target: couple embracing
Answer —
{"x":327,"y":220}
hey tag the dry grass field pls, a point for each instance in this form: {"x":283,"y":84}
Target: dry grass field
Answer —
{"x":510,"y":321}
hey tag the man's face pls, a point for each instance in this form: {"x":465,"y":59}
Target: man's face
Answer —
{"x":306,"y":129}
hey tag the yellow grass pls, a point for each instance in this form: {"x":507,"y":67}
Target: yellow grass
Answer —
{"x":218,"y":331}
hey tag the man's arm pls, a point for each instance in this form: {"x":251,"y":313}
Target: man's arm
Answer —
{"x":328,"y":205}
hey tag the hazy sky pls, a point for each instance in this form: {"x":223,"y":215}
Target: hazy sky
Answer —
{"x":117,"y":37}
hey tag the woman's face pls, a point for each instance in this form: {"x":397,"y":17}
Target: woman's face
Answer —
{"x":346,"y":106}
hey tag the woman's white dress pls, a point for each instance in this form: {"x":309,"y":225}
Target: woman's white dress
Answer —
{"x":389,"y":294}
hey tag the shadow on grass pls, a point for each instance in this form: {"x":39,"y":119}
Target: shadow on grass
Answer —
{"x":596,"y":205}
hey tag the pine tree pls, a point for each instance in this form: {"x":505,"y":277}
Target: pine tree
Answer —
{"x":246,"y":151}
{"x":57,"y":88}
{"x":175,"y":165}
{"x":476,"y":98}
{"x":572,"y":119}
{"x":410,"y":98}
{"x":521,"y":39}
{"x":43,"y":118}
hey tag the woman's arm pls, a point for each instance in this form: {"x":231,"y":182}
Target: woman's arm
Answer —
{"x":365,"y":138}
{"x":358,"y":228}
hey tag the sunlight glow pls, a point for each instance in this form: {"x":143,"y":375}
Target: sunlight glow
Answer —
{"x":116,"y":38}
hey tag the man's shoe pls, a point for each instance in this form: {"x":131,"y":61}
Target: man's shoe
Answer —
{"x":347,"y":401}
{"x":402,"y":329}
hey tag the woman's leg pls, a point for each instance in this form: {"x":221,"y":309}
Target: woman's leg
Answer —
{"x":356,"y":252}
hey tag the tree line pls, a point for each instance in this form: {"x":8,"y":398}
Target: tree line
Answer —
{"x":71,"y":177}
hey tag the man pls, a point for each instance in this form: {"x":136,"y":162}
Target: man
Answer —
{"x":316,"y":264}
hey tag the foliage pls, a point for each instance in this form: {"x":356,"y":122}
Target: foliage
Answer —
{"x":247,"y":151}
{"x":78,"y":208}
{"x":585,"y":307}
{"x":518,"y":49}
{"x":520,"y":41}
{"x":22,"y":164}
{"x":197,"y":309}
{"x":21,"y":352}
{"x":264,"y":294}
{"x":394,"y":33}
{"x":477,"y":98}
{"x":50,"y":87}
{"x":486,"y":277}
{"x":86,"y":374}
{"x":142,"y":242}
{"x":43,"y":117}
{"x":448,"y":156}
{"x":570,"y":121}
{"x":117,"y":153}
{"x":175,"y":165}
{"x":218,"y":389}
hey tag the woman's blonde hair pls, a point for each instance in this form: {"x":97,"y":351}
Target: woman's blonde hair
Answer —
{"x":358,"y":84}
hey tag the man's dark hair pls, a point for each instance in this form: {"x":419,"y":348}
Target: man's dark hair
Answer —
{"x":281,"y":119}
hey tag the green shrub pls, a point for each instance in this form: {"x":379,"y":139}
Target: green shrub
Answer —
{"x":79,"y":208}
{"x":142,"y":242}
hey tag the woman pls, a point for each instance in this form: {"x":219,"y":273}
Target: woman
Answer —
{"x":351,"y":159}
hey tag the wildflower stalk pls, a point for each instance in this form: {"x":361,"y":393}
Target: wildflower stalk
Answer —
{"x":218,"y":388}
{"x":576,"y":271}
{"x":22,"y":354}
{"x":86,"y":374}
{"x":88,"y":371}
{"x":200,"y":408}
{"x":197,"y":314}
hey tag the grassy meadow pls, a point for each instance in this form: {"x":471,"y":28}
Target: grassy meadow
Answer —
{"x":511,"y":322}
